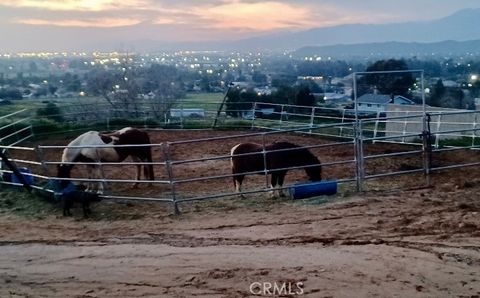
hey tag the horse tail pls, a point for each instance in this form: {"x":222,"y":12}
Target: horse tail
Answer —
{"x":148,"y":169}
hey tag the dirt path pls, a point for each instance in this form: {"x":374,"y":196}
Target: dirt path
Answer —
{"x":418,"y":243}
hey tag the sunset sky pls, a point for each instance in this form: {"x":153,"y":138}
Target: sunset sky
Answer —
{"x":32,"y":25}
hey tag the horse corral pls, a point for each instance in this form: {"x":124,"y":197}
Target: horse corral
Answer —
{"x":200,"y":160}
{"x":200,"y":164}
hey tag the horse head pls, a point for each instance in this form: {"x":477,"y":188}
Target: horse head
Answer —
{"x":314,"y":172}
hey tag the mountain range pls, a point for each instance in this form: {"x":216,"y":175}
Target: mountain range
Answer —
{"x":461,"y":26}
{"x":425,"y":36}
{"x":392,"y":49}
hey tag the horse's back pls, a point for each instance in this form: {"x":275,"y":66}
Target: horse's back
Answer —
{"x":84,"y":137}
{"x":87,"y":138}
{"x":284,"y":154}
{"x":245,"y":148}
{"x":95,"y":152}
{"x":278,"y":155}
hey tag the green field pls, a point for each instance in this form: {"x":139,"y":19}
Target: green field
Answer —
{"x":204,"y":97}
{"x":207,"y":101}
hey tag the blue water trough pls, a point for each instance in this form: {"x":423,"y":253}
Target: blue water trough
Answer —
{"x":313,"y":189}
{"x":27,"y":176}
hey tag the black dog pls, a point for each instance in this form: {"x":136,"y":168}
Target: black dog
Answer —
{"x":80,"y":196}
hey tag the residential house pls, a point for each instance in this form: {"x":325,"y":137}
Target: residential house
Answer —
{"x":402,"y":100}
{"x":377,"y":103}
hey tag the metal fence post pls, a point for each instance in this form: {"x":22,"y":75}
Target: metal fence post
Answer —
{"x":265,"y":168}
{"x":312,"y":117}
{"x":31,"y":129}
{"x":362,"y":155}
{"x":355,"y":151}
{"x":181,"y":114}
{"x":343,"y":121}
{"x":254,"y":108}
{"x":281,"y":115}
{"x":40,"y":158}
{"x":474,"y":131}
{"x":437,"y":136}
{"x":427,"y":148}
{"x":168,"y":165}
{"x":375,"y":129}
{"x":358,"y":156}
{"x":405,"y":124}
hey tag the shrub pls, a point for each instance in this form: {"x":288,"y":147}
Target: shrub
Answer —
{"x":51,"y":111}
{"x":45,"y":125}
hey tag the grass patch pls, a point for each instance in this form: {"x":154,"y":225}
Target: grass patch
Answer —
{"x":460,"y":142}
{"x":204,"y":97}
{"x":17,"y":201}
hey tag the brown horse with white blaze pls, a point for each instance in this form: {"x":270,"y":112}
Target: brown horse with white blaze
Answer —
{"x":279,"y":157}
{"x":78,"y":151}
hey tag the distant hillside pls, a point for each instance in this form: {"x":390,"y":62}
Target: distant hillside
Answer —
{"x":399,"y":49}
{"x":460,"y":26}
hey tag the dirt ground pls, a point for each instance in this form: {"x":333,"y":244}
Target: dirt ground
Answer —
{"x":398,"y":239}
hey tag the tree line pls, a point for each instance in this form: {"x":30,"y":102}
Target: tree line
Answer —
{"x":240,"y":100}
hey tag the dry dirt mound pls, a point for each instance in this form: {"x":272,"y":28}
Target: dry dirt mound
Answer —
{"x":417,"y":243}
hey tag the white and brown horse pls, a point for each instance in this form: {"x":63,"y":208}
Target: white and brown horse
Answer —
{"x":78,"y":151}
{"x":279,"y":158}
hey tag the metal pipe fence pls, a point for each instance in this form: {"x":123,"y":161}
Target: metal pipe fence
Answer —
{"x":203,"y":175}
